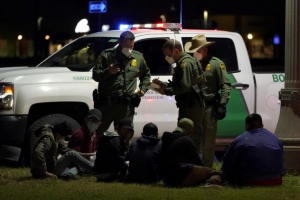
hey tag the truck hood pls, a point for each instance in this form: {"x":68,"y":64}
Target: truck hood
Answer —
{"x":9,"y":72}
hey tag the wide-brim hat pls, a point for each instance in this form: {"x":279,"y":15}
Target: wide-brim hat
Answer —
{"x":198,"y":41}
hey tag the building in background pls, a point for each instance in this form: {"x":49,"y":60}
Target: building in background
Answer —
{"x":37,"y":28}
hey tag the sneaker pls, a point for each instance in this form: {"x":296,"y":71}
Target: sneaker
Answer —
{"x":210,"y":185}
{"x":68,"y":177}
{"x":108,"y":177}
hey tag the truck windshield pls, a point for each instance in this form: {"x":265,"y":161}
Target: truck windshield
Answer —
{"x":79,"y":54}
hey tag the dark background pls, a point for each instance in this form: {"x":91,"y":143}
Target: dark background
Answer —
{"x":59,"y":19}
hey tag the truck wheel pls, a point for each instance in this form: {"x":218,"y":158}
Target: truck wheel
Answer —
{"x":48,"y":119}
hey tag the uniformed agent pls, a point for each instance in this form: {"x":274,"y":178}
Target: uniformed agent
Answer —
{"x":187,"y":70}
{"x":217,"y":90}
{"x":117,"y":70}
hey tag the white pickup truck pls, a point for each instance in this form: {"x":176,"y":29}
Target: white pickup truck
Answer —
{"x":61,"y":87}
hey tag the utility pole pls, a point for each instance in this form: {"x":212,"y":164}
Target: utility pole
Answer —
{"x":181,"y":12}
{"x":288,"y":126}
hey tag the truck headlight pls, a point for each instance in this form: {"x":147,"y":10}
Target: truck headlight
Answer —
{"x":6,"y":96}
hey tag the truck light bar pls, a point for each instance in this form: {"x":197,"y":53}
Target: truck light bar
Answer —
{"x":165,"y":26}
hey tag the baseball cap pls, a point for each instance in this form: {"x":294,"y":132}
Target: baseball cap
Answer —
{"x":126,"y":123}
{"x":185,"y":125}
{"x":150,"y":129}
{"x":95,"y":113}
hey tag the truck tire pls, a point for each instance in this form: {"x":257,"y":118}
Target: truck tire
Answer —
{"x":51,"y":119}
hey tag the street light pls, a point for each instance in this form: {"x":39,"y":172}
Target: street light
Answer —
{"x":205,"y":15}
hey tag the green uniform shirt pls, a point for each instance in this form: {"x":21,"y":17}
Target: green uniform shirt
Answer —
{"x":186,"y":70}
{"x":113,"y":84}
{"x":216,"y":78}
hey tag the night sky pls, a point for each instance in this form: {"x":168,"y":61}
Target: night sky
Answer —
{"x":60,"y":17}
{"x":63,"y":15}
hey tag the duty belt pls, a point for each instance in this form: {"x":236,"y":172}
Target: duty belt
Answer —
{"x":210,"y":103}
{"x":112,"y":100}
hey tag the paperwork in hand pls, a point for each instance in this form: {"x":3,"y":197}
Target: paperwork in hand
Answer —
{"x":153,"y":86}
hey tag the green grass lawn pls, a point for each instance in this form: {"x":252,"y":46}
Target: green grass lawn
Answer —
{"x":16,"y":183}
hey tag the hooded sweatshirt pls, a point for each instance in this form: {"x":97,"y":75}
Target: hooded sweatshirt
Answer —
{"x":179,"y":155}
{"x":110,"y":156}
{"x":144,"y":160}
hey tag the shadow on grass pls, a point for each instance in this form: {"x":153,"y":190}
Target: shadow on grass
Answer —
{"x":25,"y":178}
{"x":8,"y":163}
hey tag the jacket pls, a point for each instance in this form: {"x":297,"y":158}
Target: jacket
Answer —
{"x":179,"y":155}
{"x":45,"y":151}
{"x":144,"y":160}
{"x":110,"y":156}
{"x":256,"y":154}
{"x":131,"y":67}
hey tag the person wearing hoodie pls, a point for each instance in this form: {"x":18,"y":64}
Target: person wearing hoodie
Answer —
{"x":144,"y":157}
{"x":181,"y":163}
{"x":110,"y":164}
{"x":48,"y":144}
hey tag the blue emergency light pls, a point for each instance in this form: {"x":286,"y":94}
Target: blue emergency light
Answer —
{"x":276,"y":39}
{"x":171,"y":26}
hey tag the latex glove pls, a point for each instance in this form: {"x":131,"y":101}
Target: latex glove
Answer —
{"x":221,"y":111}
{"x":157,"y":81}
{"x":161,"y":90}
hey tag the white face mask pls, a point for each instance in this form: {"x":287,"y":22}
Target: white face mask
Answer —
{"x":126,"y":51}
{"x":92,"y":126}
{"x":170,"y":60}
{"x":198,"y":56}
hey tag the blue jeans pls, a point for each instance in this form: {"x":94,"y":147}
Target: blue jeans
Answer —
{"x":68,"y":163}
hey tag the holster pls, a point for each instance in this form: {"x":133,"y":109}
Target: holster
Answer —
{"x":217,"y":100}
{"x":135,"y":100}
{"x":95,"y":95}
{"x":198,"y":95}
{"x":185,"y":100}
{"x":127,"y":99}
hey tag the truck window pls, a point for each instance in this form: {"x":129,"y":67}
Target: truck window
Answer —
{"x":223,"y":49}
{"x":83,"y":51}
{"x":154,"y":55}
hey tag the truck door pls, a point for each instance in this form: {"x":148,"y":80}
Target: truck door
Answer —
{"x":154,"y":107}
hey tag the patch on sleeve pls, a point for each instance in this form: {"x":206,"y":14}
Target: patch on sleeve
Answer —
{"x":183,"y":64}
{"x":133,"y":63}
{"x":207,"y":67}
{"x":222,"y":65}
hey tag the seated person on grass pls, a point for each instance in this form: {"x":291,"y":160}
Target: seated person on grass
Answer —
{"x":255,"y":157}
{"x":110,"y":164}
{"x":50,"y":143}
{"x":144,"y":157}
{"x":181,"y":163}
{"x":84,"y":139}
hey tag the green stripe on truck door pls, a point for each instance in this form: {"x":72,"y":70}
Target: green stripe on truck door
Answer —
{"x":234,"y":123}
